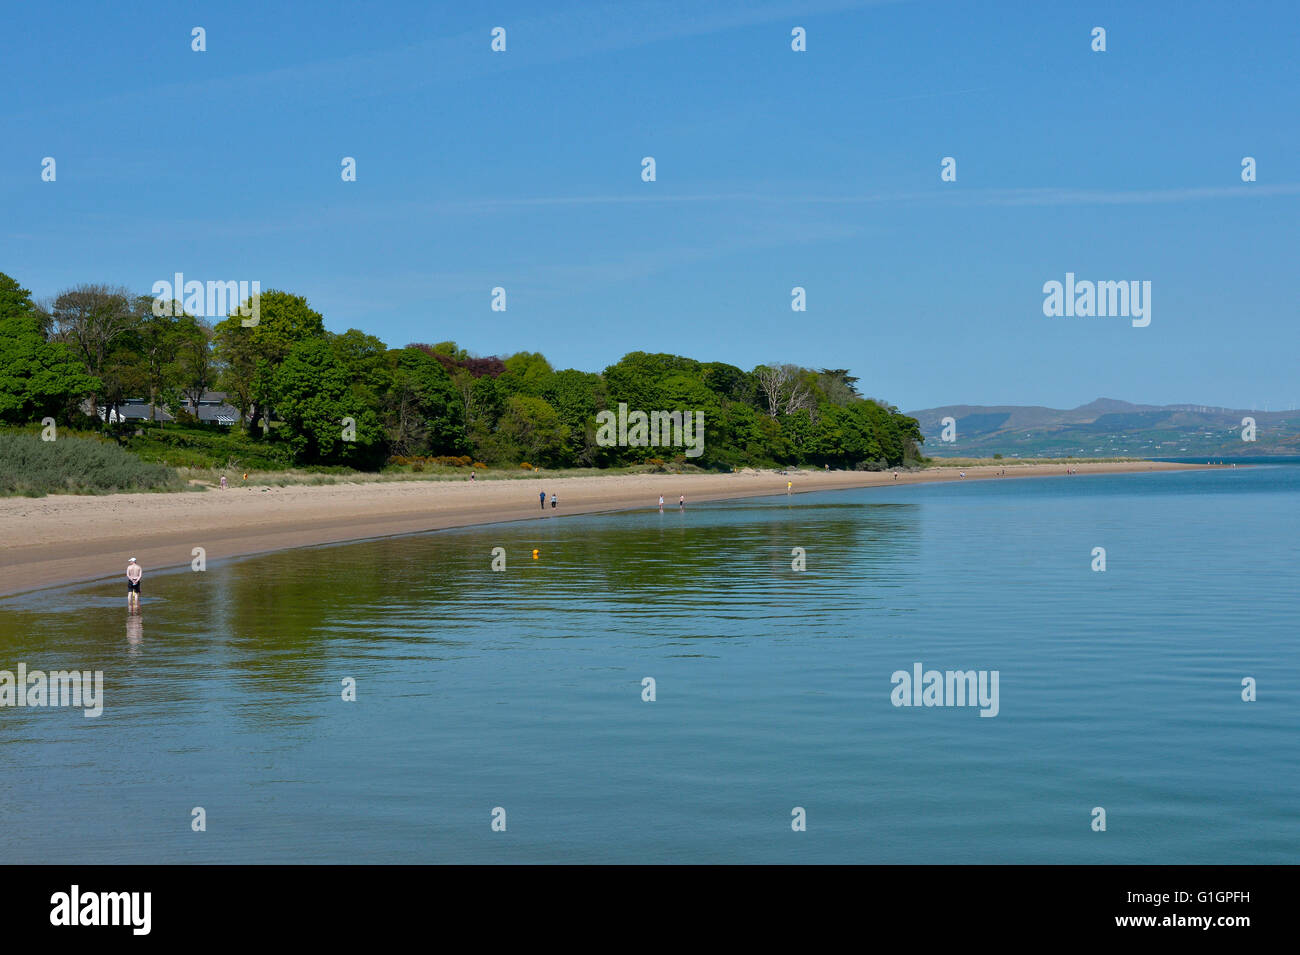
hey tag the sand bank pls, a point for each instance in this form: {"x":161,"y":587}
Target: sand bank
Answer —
{"x":62,"y":539}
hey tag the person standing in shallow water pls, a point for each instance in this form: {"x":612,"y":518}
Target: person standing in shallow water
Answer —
{"x":681,"y":502}
{"x":134,"y":573}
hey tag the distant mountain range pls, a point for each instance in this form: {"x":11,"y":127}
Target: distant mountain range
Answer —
{"x":1106,"y":428}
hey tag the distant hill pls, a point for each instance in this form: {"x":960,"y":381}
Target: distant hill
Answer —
{"x":1107,"y":427}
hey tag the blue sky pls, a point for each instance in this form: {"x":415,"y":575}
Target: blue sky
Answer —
{"x":774,"y":169}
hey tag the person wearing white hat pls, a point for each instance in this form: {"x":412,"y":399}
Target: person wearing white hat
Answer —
{"x":133,"y":574}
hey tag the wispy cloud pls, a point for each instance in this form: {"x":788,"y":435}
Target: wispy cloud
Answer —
{"x":570,"y":33}
{"x":1040,"y":196}
{"x":604,"y":267}
{"x":1074,"y":197}
{"x":314,"y":218}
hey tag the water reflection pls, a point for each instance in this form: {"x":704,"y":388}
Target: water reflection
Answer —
{"x":134,"y":632}
{"x":262,"y":632}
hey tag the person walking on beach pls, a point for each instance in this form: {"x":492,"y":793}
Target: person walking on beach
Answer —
{"x":681,"y":502}
{"x":788,"y":485}
{"x":223,"y":482}
{"x":543,"y":496}
{"x":133,"y":574}
{"x":552,"y":500}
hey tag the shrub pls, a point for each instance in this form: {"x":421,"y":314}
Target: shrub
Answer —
{"x":206,"y":446}
{"x":70,"y":465}
{"x":419,"y":462}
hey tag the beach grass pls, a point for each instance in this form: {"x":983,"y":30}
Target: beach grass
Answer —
{"x":31,"y":467}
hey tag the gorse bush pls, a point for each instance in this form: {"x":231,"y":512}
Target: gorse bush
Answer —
{"x":70,"y":465}
{"x":418,"y":462}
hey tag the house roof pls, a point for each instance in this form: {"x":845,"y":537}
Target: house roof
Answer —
{"x":139,"y":410}
{"x":222,"y":414}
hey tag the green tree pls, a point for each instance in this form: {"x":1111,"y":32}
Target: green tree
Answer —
{"x":451,"y":350}
{"x":422,"y":409}
{"x":577,"y":396}
{"x":636,"y":379}
{"x":38,"y":378}
{"x":312,"y":392}
{"x":91,"y":319}
{"x":530,"y":430}
{"x":838,"y":386}
{"x":236,"y":362}
{"x":194,"y":370}
{"x":155,"y":341}
{"x":485,"y":401}
{"x":252,"y":354}
{"x":527,"y":373}
{"x":730,"y":383}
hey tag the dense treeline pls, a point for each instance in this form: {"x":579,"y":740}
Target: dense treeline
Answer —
{"x":315,"y":397}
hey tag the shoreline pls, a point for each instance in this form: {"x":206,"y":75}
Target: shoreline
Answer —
{"x":60,"y":540}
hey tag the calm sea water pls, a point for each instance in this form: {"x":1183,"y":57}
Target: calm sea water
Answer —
{"x":523,"y":689}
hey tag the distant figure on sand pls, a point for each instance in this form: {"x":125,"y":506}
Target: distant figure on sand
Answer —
{"x":471,"y":475}
{"x":223,"y":482}
{"x":963,"y":473}
{"x":681,"y":502}
{"x":661,"y":502}
{"x":552,"y":499}
{"x":895,"y":475}
{"x":788,"y":485}
{"x":543,"y":496}
{"x":133,"y":574}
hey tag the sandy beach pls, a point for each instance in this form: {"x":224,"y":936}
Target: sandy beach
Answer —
{"x":62,"y":539}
